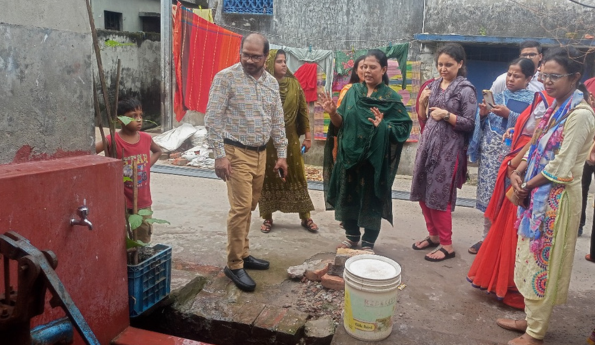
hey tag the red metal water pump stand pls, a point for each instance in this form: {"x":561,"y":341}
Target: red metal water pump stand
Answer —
{"x":35,"y":275}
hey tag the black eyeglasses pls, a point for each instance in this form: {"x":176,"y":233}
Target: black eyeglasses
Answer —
{"x":553,"y":76}
{"x":255,"y":58}
{"x":529,"y":55}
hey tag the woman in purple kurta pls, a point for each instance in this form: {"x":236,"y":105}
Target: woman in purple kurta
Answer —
{"x":441,"y":160}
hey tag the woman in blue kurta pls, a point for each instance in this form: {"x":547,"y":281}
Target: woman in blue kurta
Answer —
{"x":494,"y":123}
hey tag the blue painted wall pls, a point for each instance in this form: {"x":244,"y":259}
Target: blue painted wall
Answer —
{"x":483,"y":73}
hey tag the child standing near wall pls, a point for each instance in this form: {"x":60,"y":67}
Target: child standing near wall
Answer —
{"x":132,"y":145}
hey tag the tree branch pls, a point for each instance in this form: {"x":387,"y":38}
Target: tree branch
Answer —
{"x":580,"y":3}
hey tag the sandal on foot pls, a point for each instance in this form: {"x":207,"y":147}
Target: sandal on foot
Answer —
{"x":431,"y":244}
{"x":309,"y":225}
{"x":589,"y":258}
{"x":447,"y":255}
{"x":474,"y":249}
{"x":266,"y":226}
{"x":347,"y":244}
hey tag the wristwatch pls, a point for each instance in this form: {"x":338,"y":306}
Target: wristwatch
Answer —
{"x":510,"y":164}
{"x":445,"y":118}
{"x":524,"y":186}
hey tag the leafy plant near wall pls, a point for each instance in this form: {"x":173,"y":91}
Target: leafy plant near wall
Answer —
{"x":127,"y":119}
{"x":135,"y":220}
{"x":137,"y":217}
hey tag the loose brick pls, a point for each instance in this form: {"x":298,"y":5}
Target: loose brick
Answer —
{"x":316,"y":271}
{"x":336,"y":270}
{"x":333,"y":282}
{"x":174,"y":155}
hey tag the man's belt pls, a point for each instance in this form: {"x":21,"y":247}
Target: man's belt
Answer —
{"x":242,"y":146}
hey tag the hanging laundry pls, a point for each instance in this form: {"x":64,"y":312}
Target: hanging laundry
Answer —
{"x":296,"y":57}
{"x":307,"y":76}
{"x":344,"y":59}
{"x":205,"y":13}
{"x":200,"y":50}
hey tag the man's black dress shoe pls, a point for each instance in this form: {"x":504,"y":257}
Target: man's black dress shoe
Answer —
{"x":241,"y":279}
{"x":252,"y":263}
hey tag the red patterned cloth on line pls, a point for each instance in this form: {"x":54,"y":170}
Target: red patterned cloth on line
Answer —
{"x":200,"y":50}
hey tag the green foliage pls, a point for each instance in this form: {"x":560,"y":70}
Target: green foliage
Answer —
{"x":135,"y":221}
{"x":158,"y":221}
{"x":126,"y":119}
{"x":483,"y":31}
{"x":145,"y":212}
{"x":113,"y":44}
{"x":130,"y":243}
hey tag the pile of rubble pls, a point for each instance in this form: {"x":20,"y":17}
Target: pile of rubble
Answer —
{"x":321,"y":295}
{"x":328,"y":272}
{"x":186,"y":145}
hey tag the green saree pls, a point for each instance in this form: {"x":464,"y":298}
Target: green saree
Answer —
{"x":358,"y":185}
{"x":292,"y":195}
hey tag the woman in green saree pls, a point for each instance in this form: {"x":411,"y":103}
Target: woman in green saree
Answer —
{"x":290,"y":193}
{"x":372,"y":125}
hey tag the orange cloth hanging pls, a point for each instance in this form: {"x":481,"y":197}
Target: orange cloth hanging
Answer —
{"x":200,"y":50}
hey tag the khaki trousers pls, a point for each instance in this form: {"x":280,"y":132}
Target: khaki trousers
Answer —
{"x":243,"y":190}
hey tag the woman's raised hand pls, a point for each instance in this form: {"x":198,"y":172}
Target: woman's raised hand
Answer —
{"x":378,"y":116}
{"x":326,"y":102}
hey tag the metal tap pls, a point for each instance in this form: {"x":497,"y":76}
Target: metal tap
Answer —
{"x":83,"y":212}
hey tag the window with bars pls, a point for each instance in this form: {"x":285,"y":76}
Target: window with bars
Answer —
{"x":113,"y":20}
{"x":264,"y":7}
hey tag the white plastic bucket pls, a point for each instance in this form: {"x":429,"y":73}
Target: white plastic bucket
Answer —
{"x":371,"y":283}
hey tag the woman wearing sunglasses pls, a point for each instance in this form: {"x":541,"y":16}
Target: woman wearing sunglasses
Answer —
{"x":548,"y":184}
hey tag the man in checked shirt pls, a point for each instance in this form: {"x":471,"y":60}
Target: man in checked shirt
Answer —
{"x":243,"y":113}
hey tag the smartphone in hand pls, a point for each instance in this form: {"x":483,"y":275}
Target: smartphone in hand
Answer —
{"x":281,"y":174}
{"x":488,"y":97}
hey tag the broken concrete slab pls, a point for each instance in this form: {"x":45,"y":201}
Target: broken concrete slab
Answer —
{"x":319,"y":331}
{"x":316,"y":269}
{"x":297,"y":272}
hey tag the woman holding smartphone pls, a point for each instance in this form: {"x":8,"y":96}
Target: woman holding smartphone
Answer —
{"x":440,"y":164}
{"x":550,"y":179}
{"x":288,"y":193}
{"x":496,"y":119}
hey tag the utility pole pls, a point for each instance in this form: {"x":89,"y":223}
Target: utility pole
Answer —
{"x":166,"y":66}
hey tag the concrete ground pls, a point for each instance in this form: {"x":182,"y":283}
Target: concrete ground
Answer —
{"x":438,"y":306}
